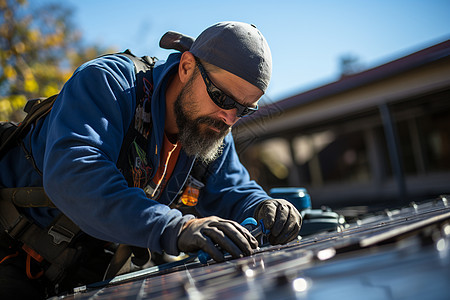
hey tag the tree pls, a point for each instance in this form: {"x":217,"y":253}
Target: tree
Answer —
{"x":39,"y":49}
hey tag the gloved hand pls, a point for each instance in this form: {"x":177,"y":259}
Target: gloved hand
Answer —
{"x":281,"y":218}
{"x":205,"y":233}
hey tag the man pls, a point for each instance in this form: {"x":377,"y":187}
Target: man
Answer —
{"x":192,"y":101}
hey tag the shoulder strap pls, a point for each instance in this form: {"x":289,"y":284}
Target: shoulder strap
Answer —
{"x":143,"y":66}
{"x":200,"y":171}
{"x":35,"y":109}
{"x":27,"y":196}
{"x":7,"y":130}
{"x":141,"y":124}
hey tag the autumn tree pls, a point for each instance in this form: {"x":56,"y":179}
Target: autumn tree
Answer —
{"x":39,"y":49}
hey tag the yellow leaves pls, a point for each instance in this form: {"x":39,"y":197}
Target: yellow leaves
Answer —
{"x":40,"y":48}
{"x":5,"y":107}
{"x":18,"y":101}
{"x":5,"y":54}
{"x":53,"y":39}
{"x":30,"y":85}
{"x":46,"y":74}
{"x":11,"y":104}
{"x":50,"y":90}
{"x":9,"y":72}
{"x":34,"y":36}
{"x":19,"y":47}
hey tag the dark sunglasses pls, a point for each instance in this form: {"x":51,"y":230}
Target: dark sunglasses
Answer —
{"x":221,"y":99}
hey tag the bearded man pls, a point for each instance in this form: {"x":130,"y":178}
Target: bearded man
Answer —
{"x":190,"y":103}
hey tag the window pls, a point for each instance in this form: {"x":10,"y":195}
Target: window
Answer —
{"x":435,"y":134}
{"x":327,"y":157}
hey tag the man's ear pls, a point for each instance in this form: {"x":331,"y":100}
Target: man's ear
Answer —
{"x":187,"y":66}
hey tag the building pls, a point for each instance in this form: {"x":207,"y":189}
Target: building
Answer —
{"x":380,"y":136}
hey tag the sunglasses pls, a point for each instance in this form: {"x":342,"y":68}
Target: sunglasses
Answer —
{"x":221,"y":99}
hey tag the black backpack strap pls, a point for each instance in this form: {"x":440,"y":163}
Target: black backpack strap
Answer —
{"x":141,"y":124}
{"x":200,"y":171}
{"x":27,"y":196}
{"x":6,"y":130}
{"x":52,"y":243}
{"x":143,"y":67}
{"x":36,"y":109}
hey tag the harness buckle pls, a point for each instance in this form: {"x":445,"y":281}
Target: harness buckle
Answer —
{"x":60,"y":234}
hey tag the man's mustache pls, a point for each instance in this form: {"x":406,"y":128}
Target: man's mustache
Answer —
{"x":218,"y":124}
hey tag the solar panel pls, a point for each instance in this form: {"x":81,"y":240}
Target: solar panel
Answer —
{"x":401,"y":253}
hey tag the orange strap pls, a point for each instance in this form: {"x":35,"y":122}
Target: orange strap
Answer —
{"x":32,"y":253}
{"x":29,"y":275}
{"x":9,"y":256}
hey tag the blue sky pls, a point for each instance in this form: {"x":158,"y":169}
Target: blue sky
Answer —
{"x":307,"y":38}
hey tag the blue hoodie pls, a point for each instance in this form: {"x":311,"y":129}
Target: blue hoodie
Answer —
{"x":76,"y":148}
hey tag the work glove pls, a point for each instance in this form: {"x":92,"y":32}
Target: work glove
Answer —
{"x":216,"y":236}
{"x":281,"y":218}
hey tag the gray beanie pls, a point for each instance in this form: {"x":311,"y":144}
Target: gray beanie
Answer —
{"x":236,"y":47}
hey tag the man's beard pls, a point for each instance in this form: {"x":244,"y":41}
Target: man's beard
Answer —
{"x":195,"y":134}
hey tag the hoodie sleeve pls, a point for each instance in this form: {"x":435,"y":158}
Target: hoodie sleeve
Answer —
{"x":86,"y":128}
{"x":229,"y":192}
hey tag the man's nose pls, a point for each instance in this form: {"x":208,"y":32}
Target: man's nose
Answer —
{"x":229,"y":116}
